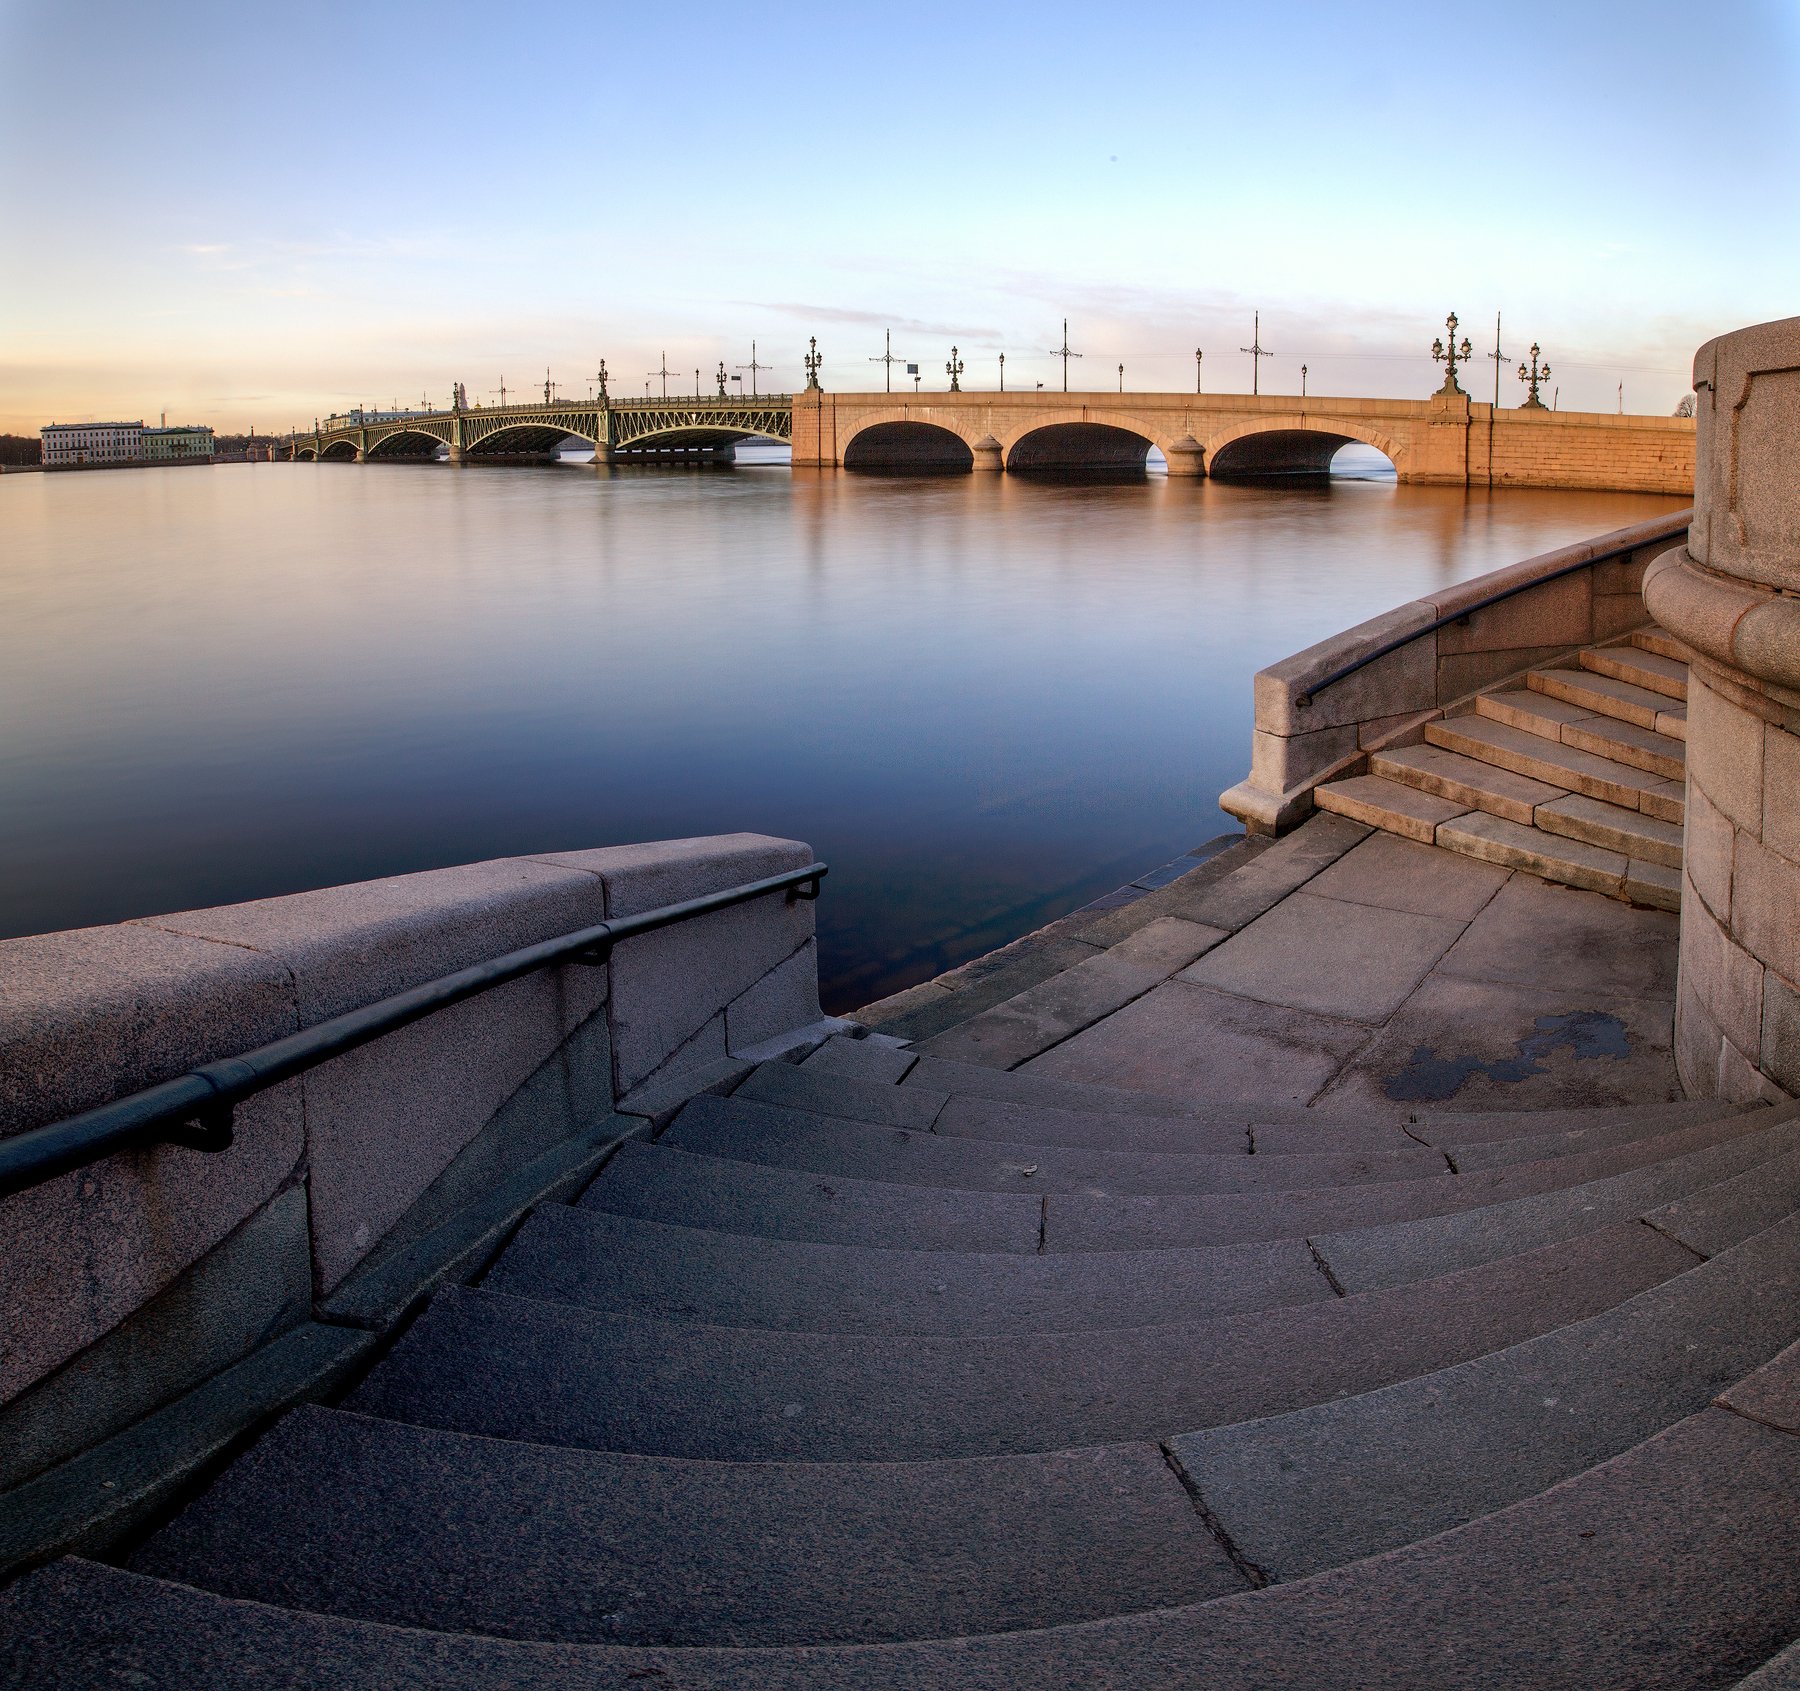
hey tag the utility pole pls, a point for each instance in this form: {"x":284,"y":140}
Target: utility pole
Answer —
{"x":1198,"y":355}
{"x":1065,"y":354}
{"x":663,"y":371}
{"x":752,"y":367}
{"x":501,"y":390}
{"x":1257,"y":353}
{"x":887,"y":357}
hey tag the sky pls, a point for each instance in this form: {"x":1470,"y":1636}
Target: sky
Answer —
{"x":252,"y":215}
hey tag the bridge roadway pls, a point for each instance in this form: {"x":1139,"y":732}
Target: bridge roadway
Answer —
{"x":1446,"y":440}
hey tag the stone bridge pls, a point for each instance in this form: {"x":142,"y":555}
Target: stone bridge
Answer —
{"x":1448,"y":439}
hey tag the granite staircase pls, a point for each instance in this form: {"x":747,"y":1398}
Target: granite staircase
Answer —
{"x":880,"y":1370}
{"x":1575,"y":772}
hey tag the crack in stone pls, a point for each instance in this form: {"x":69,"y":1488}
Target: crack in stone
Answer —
{"x":1043,"y":1223}
{"x":1324,"y":1268}
{"x":1698,"y":1255}
{"x":1255,"y":1577}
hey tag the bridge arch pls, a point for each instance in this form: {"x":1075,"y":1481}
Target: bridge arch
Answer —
{"x":1088,"y":446}
{"x":1293,"y":445}
{"x":407,"y":443}
{"x":340,"y":451}
{"x":522,"y":440}
{"x":905,"y":445}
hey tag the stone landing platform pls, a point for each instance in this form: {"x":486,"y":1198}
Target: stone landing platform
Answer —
{"x":1337,"y":966}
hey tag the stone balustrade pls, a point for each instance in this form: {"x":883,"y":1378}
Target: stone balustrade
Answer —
{"x":1309,"y":731}
{"x":124,"y":1284}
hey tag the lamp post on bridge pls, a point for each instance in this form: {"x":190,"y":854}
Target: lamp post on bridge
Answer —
{"x":1121,"y":378}
{"x":1257,"y":353}
{"x":1302,"y":381}
{"x":887,"y":357}
{"x":1198,"y":355}
{"x":1450,"y":356}
{"x":721,"y":375}
{"x":1065,"y":354}
{"x":1003,"y":372}
{"x":753,"y":367}
{"x":1536,"y":374}
{"x":601,"y":379}
{"x":812,"y":361}
{"x":954,"y":370}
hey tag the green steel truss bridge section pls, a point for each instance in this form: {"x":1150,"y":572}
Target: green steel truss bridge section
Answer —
{"x":619,"y":429}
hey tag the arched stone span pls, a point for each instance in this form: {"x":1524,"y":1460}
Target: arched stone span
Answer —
{"x":413,"y":444}
{"x":909,"y":448}
{"x":1086,"y":447}
{"x":1291,"y":446}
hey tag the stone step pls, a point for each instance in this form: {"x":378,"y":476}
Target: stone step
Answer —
{"x":1465,"y":781}
{"x":1551,"y":1594}
{"x":1557,"y":1196}
{"x":1602,"y":695}
{"x":1222,"y":1128}
{"x":1381,"y":803}
{"x":1649,"y":670}
{"x":635,"y":1267}
{"x":1606,"y":736}
{"x":1613,"y":828}
{"x":1779,"y":1673}
{"x":420,"y":1527}
{"x":1328,"y":1484}
{"x":1487,"y":1146}
{"x":784,"y":1138}
{"x":481,"y":1362}
{"x":1661,"y":642}
{"x":871,"y":1058}
{"x":1571,"y":862}
{"x":1568,"y":767}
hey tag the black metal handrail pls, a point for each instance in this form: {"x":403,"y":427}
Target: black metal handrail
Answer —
{"x":195,"y":1109}
{"x":1343,"y":671}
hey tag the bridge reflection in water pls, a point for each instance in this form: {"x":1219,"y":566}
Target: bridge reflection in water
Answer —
{"x":1446,"y":440}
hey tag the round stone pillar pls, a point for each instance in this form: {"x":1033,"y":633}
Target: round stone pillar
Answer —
{"x":1732,"y":595}
{"x":988,"y":455}
{"x":1185,"y":457}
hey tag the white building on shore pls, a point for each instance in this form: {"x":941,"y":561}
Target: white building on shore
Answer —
{"x":71,"y":445}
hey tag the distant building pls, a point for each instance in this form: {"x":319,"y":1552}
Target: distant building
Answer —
{"x":178,"y":445}
{"x":71,"y":445}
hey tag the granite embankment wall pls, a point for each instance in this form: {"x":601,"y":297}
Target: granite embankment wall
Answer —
{"x":124,"y":1284}
{"x":1310,"y":730}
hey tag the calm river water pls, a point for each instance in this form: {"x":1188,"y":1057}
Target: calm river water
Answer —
{"x":985,"y":701}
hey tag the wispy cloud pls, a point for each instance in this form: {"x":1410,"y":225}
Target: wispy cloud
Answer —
{"x":870,"y":319}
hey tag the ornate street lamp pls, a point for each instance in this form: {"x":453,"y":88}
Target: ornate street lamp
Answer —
{"x":1536,"y":374}
{"x":1003,"y":372}
{"x":1121,"y":378}
{"x":1452,"y":355}
{"x":601,"y":378}
{"x":721,"y":375}
{"x":1302,"y":381}
{"x":812,"y":361}
{"x":954,"y":370}
{"x":1198,"y":355}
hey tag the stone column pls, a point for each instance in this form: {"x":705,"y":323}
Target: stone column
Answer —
{"x":988,"y":456}
{"x":1732,"y":595}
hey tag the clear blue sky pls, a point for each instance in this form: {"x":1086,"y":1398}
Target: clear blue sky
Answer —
{"x":254,"y":213}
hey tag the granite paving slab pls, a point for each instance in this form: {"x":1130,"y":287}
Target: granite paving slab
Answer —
{"x":832,"y":1093}
{"x":1325,"y":1485}
{"x":660,"y":1183}
{"x":862,"y":1059}
{"x":1396,"y":874}
{"x":1671,"y":1567}
{"x":1478,"y":1045}
{"x":1535,"y":933}
{"x":505,"y":1367}
{"x":1355,"y":962}
{"x":767,"y":1134}
{"x":732,"y":1280}
{"x":433,"y":1529}
{"x":1191,"y":1041}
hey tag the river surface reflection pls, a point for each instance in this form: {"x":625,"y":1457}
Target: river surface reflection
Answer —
{"x":985,"y":701}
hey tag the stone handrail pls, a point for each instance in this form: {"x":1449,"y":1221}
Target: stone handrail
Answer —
{"x":126,"y":1282}
{"x":1427,"y":656}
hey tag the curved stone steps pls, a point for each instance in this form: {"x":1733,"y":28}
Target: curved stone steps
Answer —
{"x":444,"y":1530}
{"x":787,"y":1138}
{"x":1779,"y":1673}
{"x":1673,"y":1566}
{"x":509,"y":1367}
{"x":1525,"y":1204}
{"x":630,"y":1266}
{"x":1335,"y":1482}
